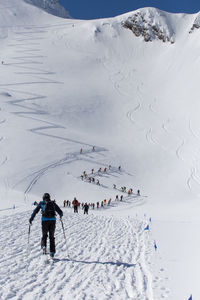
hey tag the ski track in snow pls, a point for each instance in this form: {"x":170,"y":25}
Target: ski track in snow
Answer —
{"x":30,"y":60}
{"x":105,"y":256}
{"x":118,"y":76}
{"x":3,"y":158}
{"x":27,"y":43}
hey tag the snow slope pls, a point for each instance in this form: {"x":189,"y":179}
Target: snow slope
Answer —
{"x":132,"y":92}
{"x":92,"y":269}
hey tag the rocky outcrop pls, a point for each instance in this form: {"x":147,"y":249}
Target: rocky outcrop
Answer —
{"x":196,"y":24}
{"x":150,"y":26}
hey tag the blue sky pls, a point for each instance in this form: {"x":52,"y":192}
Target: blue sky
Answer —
{"x":92,"y":9}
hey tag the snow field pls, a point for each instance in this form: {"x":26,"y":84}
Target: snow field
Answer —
{"x":71,"y":84}
{"x":105,"y":258}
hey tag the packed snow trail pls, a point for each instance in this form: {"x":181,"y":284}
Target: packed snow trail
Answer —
{"x":105,"y":258}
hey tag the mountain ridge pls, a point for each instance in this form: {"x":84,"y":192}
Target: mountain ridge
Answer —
{"x":51,"y":6}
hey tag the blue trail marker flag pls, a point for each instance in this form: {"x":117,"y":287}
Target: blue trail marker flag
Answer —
{"x":155,"y":246}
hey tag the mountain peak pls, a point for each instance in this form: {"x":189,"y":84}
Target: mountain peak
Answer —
{"x":151,"y":24}
{"x":51,"y":6}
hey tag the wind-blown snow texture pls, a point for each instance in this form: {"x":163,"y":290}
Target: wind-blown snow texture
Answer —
{"x":70,"y":84}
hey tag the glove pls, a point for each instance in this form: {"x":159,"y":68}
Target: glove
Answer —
{"x":30,"y":221}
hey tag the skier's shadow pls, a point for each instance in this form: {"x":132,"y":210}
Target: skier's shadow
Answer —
{"x":118,"y":263}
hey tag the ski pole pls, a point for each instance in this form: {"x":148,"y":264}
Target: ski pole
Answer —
{"x":63,"y":231}
{"x":29,"y":232}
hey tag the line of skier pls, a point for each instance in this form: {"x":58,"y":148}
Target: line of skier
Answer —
{"x":100,"y":170}
{"x":49,"y":208}
{"x":76,"y":205}
{"x":91,"y":179}
{"x":123,"y":189}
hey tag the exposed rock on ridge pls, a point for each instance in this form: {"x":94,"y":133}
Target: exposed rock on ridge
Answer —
{"x":151,"y":24}
{"x":196,"y":24}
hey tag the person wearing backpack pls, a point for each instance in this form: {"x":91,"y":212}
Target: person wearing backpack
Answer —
{"x":75,"y":204}
{"x":48,"y":209}
{"x":86,"y":208}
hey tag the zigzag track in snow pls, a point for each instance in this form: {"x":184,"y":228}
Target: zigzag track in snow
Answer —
{"x":31,"y":57}
{"x":114,"y":270}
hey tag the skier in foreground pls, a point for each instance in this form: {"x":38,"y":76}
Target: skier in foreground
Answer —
{"x":48,"y":209}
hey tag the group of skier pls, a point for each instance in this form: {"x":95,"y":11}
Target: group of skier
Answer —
{"x":91,"y":179}
{"x":85,"y":206}
{"x":93,"y":149}
{"x":49,"y":208}
{"x":124,"y":190}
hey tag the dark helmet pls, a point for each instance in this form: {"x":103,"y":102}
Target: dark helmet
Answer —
{"x":46,"y":196}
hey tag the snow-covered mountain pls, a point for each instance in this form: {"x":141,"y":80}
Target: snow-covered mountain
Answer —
{"x":128,"y":86}
{"x":51,"y":6}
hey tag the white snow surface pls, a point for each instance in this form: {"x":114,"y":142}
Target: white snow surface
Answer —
{"x":70,"y":84}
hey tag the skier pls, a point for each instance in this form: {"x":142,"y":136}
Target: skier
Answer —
{"x":121,"y":197}
{"x":114,"y":186}
{"x":138,"y":192}
{"x":104,"y":201}
{"x":49,"y":209}
{"x":93,"y":205}
{"x":85,"y":174}
{"x":101,"y":203}
{"x":75,"y":204}
{"x":97,"y":205}
{"x":92,"y":171}
{"x":109,"y":201}
{"x":81,"y":151}
{"x":64,"y":203}
{"x":117,"y":198}
{"x":93,"y":148}
{"x":86,"y":208}
{"x":105,"y":169}
{"x":119,"y":168}
{"x":109,"y":167}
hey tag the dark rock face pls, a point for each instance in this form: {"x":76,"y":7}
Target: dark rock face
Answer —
{"x":196,"y":24}
{"x":148,"y":28}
